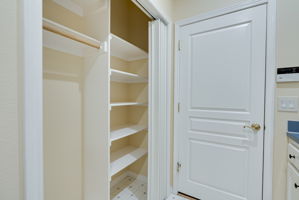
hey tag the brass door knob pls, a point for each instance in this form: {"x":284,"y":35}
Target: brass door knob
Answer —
{"x":254,"y":126}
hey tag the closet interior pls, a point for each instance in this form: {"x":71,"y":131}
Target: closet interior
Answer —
{"x":129,"y":101}
{"x":96,"y":99}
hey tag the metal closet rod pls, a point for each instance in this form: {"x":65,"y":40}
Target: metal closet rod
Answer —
{"x":70,"y":37}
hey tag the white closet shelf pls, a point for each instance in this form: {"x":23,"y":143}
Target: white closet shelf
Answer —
{"x":126,"y":77}
{"x":62,"y":38}
{"x":125,"y":50}
{"x":124,"y":131}
{"x":125,"y":157}
{"x":116,"y":104}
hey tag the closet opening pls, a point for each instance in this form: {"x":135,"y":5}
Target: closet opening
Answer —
{"x":95,"y":99}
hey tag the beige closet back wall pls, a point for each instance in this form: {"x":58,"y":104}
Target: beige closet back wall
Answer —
{"x":62,"y":126}
{"x":61,"y":15}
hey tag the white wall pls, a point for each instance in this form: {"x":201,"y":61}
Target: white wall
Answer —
{"x":189,"y":8}
{"x":287,"y":55}
{"x":165,"y":6}
{"x":287,"y":33}
{"x":10,"y":171}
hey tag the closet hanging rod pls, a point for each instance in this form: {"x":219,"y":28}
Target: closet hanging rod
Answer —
{"x":66,"y":32}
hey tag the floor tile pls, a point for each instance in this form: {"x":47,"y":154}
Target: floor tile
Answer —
{"x":175,"y":197}
{"x":129,"y":188}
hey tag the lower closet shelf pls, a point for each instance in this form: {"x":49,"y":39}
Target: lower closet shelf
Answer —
{"x":124,"y":131}
{"x":125,"y":157}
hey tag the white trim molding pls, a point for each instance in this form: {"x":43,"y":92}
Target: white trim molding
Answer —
{"x":270,"y":101}
{"x":270,"y":85}
{"x":31,"y":58}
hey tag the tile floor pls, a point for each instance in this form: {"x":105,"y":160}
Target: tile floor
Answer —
{"x":129,"y":188}
{"x":175,"y":197}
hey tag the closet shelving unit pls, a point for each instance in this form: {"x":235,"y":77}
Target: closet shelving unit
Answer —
{"x":124,"y":156}
{"x":128,"y":52}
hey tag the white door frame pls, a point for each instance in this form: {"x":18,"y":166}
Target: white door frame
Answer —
{"x":269,"y":93}
{"x":30,"y":35}
{"x":31,"y":58}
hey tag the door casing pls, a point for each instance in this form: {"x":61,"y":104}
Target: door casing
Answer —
{"x":269,"y":90}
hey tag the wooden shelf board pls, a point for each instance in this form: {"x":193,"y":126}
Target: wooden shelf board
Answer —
{"x":124,"y":131}
{"x":125,"y":157}
{"x":126,"y":77}
{"x":125,"y":50}
{"x":64,"y":39}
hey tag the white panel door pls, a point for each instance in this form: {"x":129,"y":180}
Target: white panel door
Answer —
{"x":221,"y":94}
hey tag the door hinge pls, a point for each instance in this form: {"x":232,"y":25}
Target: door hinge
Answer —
{"x":179,"y":45}
{"x":179,"y":107}
{"x":178,"y":167}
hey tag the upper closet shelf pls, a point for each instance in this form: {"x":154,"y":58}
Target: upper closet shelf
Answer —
{"x":126,"y":77}
{"x":125,"y":50}
{"x":62,"y":38}
{"x":125,"y":157}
